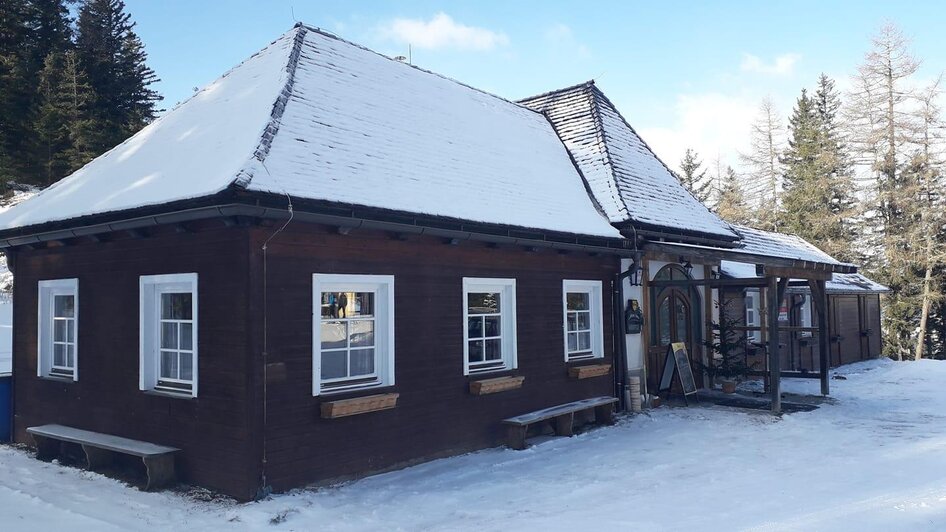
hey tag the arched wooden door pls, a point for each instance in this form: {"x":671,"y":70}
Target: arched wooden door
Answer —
{"x":674,"y":315}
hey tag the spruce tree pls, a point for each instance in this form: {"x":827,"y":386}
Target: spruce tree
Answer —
{"x":732,"y":205}
{"x":692,"y":176}
{"x":113,"y":58}
{"x":64,"y":127}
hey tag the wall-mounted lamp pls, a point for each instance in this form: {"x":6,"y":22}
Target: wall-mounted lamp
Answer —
{"x":687,"y":267}
{"x":637,"y":268}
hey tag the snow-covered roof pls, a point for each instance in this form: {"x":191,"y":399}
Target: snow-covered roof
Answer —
{"x":839,"y":282}
{"x":767,"y":243}
{"x":854,"y":282}
{"x":629,"y":182}
{"x":316,"y":117}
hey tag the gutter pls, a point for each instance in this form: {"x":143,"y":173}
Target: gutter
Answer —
{"x":415,"y":226}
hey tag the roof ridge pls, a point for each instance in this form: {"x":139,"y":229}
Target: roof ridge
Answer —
{"x":599,"y":93}
{"x":330,"y":35}
{"x":589,"y":90}
{"x":244,"y":176}
{"x":569,"y":88}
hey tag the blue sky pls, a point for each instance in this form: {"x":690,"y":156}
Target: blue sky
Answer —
{"x":684,"y":74}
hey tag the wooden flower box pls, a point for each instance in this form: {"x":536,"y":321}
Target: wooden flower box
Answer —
{"x":358,"y":405}
{"x":499,"y":384}
{"x":587,"y":372}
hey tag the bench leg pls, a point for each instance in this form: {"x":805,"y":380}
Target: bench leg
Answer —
{"x":96,"y":458}
{"x":516,"y":437}
{"x":46,"y":448}
{"x":564,"y":424}
{"x":605,"y":414}
{"x":160,"y":471}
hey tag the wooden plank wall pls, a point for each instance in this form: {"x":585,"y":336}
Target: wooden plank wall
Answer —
{"x":436,"y":415}
{"x":212,"y":429}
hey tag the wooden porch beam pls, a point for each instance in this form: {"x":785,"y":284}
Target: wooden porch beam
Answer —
{"x":820,"y":296}
{"x":755,"y":282}
{"x":776,"y":290}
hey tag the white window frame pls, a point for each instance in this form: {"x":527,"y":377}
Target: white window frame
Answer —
{"x":507,"y":309}
{"x":150,"y":289}
{"x":593,"y":289}
{"x":753,"y":314}
{"x":383,"y":288}
{"x":48,"y":290}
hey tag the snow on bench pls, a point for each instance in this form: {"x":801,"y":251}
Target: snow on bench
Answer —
{"x":158,"y":459}
{"x":564,"y":416}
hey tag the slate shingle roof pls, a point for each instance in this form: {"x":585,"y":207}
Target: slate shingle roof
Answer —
{"x":317,"y":117}
{"x":629,"y":182}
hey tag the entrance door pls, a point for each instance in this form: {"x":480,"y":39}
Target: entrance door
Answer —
{"x":674,"y":323}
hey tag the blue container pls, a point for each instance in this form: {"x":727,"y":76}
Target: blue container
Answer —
{"x":6,"y":410}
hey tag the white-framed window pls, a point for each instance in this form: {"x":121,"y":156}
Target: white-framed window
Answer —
{"x":168,"y":333}
{"x":584,"y":323}
{"x":58,"y":353}
{"x":489,"y":325}
{"x":352,"y":332}
{"x":753,"y":319}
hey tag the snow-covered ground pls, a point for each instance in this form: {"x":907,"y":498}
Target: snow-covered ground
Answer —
{"x":875,"y":459}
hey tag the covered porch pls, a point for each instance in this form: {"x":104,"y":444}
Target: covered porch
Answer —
{"x":777,"y":259}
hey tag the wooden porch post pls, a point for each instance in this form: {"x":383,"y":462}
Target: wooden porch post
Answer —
{"x":820,"y":296}
{"x":776,"y":290}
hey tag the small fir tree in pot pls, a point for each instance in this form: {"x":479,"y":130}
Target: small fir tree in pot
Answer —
{"x":727,"y":348}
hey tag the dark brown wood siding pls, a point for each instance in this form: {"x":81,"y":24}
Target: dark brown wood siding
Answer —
{"x":436,"y":415}
{"x":212,"y":429}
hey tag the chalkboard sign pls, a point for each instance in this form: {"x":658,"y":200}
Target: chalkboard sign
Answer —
{"x":678,"y":361}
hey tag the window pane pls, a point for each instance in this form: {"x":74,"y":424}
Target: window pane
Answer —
{"x":187,"y":336}
{"x":475,"y":327}
{"x":663,"y":321}
{"x":494,"y":349}
{"x":70,"y":330}
{"x":71,"y":356}
{"x":572,"y":342}
{"x":362,"y":333}
{"x":584,"y":321}
{"x":176,"y":306}
{"x":578,"y":301}
{"x":361,"y":304}
{"x":571,"y":321}
{"x":476,"y":351}
{"x":483,"y":302}
{"x":187,"y":370}
{"x":59,"y":354}
{"x":362,"y":362}
{"x":682,"y":325}
{"x":168,"y":335}
{"x":64,"y":306}
{"x":334,"y":334}
{"x":584,"y":341}
{"x":492,"y":325}
{"x":334,"y":364}
{"x":168,"y":364}
{"x":59,"y":330}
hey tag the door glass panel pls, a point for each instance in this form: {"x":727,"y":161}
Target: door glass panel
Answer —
{"x":681,"y":316}
{"x":663,"y":321}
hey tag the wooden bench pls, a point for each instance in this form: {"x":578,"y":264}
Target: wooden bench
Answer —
{"x":98,"y":448}
{"x":563,"y":416}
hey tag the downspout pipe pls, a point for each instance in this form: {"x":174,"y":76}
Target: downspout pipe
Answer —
{"x":620,"y":362}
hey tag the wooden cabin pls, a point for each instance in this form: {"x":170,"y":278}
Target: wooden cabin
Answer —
{"x":329,"y":263}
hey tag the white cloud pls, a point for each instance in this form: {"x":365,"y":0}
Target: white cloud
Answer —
{"x":782,"y":65}
{"x":561,"y":35}
{"x":714,"y":124}
{"x":441,"y":31}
